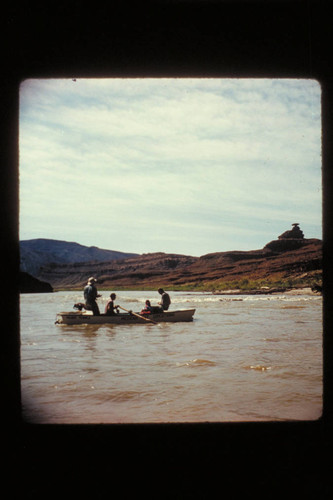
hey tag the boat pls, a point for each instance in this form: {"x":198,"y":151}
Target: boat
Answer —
{"x":81,"y":318}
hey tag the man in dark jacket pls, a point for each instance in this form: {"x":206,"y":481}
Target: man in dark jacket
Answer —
{"x":165,"y":300}
{"x":90,"y":296}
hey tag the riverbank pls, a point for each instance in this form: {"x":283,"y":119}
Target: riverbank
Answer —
{"x":286,"y":265}
{"x":273,"y":291}
{"x":262,"y":291}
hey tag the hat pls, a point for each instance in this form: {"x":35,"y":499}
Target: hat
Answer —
{"x":92,"y":280}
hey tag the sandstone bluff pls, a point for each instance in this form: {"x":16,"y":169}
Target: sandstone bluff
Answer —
{"x":290,"y":257}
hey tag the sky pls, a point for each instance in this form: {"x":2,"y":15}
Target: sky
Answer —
{"x":187,"y":166}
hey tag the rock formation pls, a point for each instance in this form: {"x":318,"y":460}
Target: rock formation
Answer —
{"x":289,"y":240}
{"x":294,"y":233}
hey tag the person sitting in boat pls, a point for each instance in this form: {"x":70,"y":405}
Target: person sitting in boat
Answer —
{"x":147,"y":309}
{"x":165,"y":299}
{"x":90,"y":296}
{"x":110,"y":308}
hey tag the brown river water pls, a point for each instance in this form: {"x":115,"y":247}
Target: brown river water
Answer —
{"x":243,"y":358}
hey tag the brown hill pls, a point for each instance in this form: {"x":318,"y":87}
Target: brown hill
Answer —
{"x":261,"y":264}
{"x":145,"y":270}
{"x":280,"y":259}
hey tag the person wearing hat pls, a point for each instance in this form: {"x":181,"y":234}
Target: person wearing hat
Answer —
{"x":165,"y":300}
{"x":90,"y":296}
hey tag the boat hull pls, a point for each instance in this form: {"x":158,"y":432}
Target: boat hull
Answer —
{"x":79,"y":318}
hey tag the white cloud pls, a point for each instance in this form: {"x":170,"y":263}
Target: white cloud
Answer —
{"x":165,"y":151}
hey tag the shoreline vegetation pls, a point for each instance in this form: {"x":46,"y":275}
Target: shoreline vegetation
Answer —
{"x":303,"y":285}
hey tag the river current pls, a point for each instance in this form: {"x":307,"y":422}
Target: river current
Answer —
{"x":243,"y":358}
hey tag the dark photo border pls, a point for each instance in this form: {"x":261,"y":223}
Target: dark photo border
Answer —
{"x":238,"y":39}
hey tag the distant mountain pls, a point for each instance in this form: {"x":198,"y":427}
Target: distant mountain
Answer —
{"x":68,"y":265}
{"x":40,"y":252}
{"x":161,"y":269}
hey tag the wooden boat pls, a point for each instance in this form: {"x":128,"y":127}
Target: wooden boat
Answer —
{"x":79,"y":318}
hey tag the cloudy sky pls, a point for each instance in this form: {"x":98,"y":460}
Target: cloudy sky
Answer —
{"x":188,"y":166}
